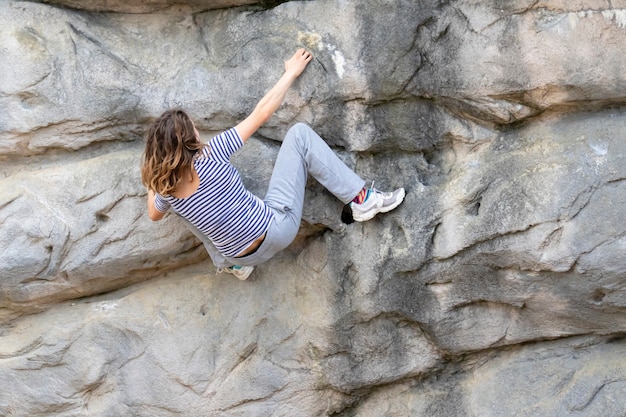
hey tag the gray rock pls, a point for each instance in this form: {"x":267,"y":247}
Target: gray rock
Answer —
{"x":497,"y":288}
{"x":147,"y":6}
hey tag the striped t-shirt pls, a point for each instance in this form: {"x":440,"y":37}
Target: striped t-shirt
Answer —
{"x":222,"y":208}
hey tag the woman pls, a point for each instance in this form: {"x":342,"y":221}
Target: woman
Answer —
{"x":238,"y":229}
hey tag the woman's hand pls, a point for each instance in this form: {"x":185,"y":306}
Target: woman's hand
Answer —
{"x":296,"y":64}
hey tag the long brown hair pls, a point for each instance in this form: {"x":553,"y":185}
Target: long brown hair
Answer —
{"x":171,"y":143}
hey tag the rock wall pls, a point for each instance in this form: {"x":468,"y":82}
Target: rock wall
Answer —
{"x":498,"y":288}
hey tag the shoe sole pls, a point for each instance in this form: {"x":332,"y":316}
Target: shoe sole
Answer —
{"x":243,"y":277}
{"x":382,"y":210}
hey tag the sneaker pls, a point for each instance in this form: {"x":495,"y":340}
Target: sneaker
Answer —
{"x":241,"y":272}
{"x":376,"y":202}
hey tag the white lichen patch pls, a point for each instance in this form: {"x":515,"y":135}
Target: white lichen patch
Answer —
{"x":563,"y":22}
{"x":615,"y":16}
{"x":106,"y":306}
{"x":340,"y":62}
{"x":600,"y":148}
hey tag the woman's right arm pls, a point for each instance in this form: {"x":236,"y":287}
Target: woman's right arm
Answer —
{"x":153,"y":213}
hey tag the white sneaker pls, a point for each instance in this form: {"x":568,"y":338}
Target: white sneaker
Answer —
{"x":241,"y":272}
{"x":376,"y":202}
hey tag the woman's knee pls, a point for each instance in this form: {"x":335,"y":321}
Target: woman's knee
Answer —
{"x":299,"y":136}
{"x":298,"y":129}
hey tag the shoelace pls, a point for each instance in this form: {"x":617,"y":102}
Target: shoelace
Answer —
{"x":384,"y":195}
{"x":371,"y":190}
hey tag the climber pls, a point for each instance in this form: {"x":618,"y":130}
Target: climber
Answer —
{"x":238,"y":229}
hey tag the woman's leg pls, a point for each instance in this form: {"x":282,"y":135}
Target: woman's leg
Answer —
{"x":303,"y":152}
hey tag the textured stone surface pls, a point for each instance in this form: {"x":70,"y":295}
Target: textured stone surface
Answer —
{"x":150,"y":6}
{"x":496,"y":289}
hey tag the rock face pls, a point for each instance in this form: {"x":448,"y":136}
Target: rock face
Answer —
{"x":498,"y":288}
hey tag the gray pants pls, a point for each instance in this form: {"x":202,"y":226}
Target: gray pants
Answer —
{"x":302,"y":152}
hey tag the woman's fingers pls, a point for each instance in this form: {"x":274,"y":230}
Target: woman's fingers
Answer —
{"x":298,"y":61}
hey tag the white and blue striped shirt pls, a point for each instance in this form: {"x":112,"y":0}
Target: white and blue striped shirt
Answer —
{"x":222,"y":208}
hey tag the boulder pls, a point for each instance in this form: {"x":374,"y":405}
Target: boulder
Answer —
{"x":496,"y":288}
